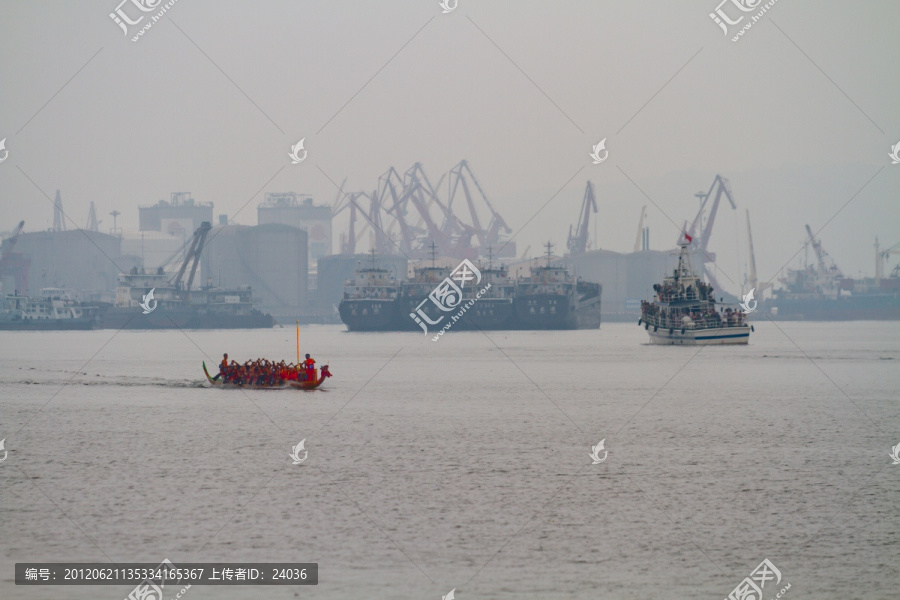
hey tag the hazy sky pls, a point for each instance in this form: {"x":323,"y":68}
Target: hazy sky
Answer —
{"x":800,"y":114}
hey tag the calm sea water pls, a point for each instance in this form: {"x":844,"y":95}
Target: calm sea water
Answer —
{"x":463,"y":463}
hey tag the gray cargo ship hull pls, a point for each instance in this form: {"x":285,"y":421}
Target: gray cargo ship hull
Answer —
{"x":370,"y":314}
{"x":857,"y":307}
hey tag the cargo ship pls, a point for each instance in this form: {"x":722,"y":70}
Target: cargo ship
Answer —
{"x":471,"y":298}
{"x":821,"y":292}
{"x":426,"y":298}
{"x":495,"y":308}
{"x":154,"y":301}
{"x":151,"y":301}
{"x":371,"y":300}
{"x":55,"y":309}
{"x":551,"y":298}
{"x":684,"y":311}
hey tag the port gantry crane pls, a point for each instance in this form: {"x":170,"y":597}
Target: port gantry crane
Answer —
{"x":453,"y":236}
{"x":578,"y":242}
{"x":393,"y":197}
{"x":701,"y":232}
{"x":419,"y":218}
{"x":492,"y":235}
{"x":354,"y":205}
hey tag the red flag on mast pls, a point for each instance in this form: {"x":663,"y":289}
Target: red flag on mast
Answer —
{"x":688,"y":238}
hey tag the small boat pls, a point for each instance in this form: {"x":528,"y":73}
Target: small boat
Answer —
{"x":319,"y":376}
{"x":684,"y":311}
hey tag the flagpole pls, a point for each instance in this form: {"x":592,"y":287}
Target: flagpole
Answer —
{"x":298,"y":342}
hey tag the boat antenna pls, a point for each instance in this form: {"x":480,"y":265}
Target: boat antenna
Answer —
{"x":490,"y":258}
{"x":433,"y":253}
{"x":549,"y":253}
{"x":372,"y":252}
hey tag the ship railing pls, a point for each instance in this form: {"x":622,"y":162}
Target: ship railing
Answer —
{"x":695,"y":324}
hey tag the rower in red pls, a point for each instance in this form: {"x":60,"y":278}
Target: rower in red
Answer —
{"x":310,"y":365}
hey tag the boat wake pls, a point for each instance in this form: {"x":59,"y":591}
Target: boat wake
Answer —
{"x":110,"y":382}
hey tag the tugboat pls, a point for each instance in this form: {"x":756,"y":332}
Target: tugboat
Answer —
{"x":371,"y":300}
{"x":55,"y":309}
{"x":683,"y":311}
{"x":551,"y":298}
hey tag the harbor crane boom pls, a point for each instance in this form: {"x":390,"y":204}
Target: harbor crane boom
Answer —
{"x":192,"y":254}
{"x":640,"y":231}
{"x":751,"y":278}
{"x":15,"y":264}
{"x":577,"y":243}
{"x":13,"y":239}
{"x":720,"y":186}
{"x":489,"y":236}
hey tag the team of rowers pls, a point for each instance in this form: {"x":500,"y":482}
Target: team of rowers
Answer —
{"x":263,"y":372}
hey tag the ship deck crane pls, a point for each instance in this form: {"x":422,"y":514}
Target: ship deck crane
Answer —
{"x":192,"y":254}
{"x":821,"y":255}
{"x":577,"y":243}
{"x":15,"y":264}
{"x":881,"y":256}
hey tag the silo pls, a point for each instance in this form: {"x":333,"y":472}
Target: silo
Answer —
{"x":78,"y":259}
{"x":270,"y":258}
{"x":300,"y":211}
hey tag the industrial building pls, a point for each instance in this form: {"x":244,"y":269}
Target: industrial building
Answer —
{"x":270,"y":258}
{"x":151,"y":248}
{"x":179,"y":217}
{"x":80,"y":260}
{"x":299,"y":210}
{"x":627,"y":278}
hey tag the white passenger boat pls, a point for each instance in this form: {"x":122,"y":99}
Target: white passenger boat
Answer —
{"x":684,"y":311}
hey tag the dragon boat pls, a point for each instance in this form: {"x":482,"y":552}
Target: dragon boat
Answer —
{"x":319,"y":376}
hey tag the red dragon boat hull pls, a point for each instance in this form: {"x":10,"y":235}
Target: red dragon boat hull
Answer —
{"x":287,"y":385}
